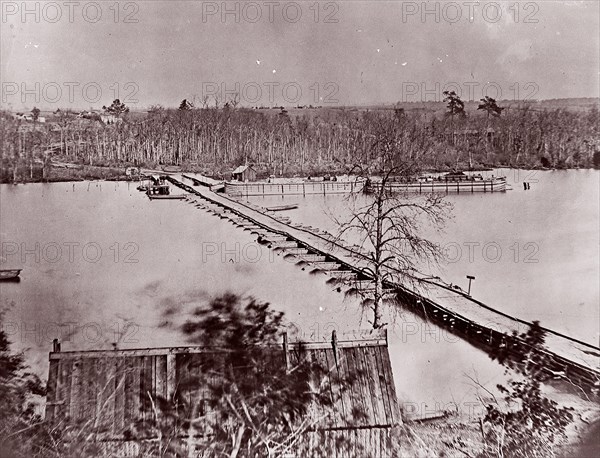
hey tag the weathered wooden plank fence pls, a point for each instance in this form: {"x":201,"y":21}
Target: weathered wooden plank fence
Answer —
{"x":114,"y":397}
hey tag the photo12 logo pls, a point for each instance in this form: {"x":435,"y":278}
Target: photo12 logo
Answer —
{"x":492,"y":252}
{"x":71,"y":252}
{"x":236,"y":12}
{"x":63,"y":12}
{"x":53,"y":93}
{"x":453,"y":12}
{"x":412,"y":331}
{"x":270,"y":93}
{"x":90,"y":332}
{"x":323,"y":332}
{"x":252,"y":253}
{"x":428,"y":91}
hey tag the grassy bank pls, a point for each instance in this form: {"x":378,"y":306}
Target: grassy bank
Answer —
{"x":461,"y":436}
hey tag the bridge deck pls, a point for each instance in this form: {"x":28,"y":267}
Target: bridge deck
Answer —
{"x":457,"y":304}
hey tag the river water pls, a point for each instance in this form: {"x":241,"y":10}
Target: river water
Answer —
{"x":103,"y":264}
{"x":534,"y":253}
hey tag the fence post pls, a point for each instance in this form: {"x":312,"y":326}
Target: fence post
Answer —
{"x":334,"y":344}
{"x":286,"y":350}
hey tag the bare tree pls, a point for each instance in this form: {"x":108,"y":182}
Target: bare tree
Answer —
{"x":389,"y":224}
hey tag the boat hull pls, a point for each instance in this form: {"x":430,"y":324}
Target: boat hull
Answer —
{"x":167,"y":197}
{"x":281,"y":208}
{"x":9,"y":274}
{"x":301,"y":188}
{"x":488,"y":185}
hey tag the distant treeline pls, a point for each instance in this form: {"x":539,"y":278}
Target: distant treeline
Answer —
{"x":215,"y":140}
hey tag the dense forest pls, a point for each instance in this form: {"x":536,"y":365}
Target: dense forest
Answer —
{"x":295,"y":142}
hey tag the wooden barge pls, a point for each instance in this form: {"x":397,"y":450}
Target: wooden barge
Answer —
{"x":449,"y":183}
{"x":456,"y":182}
{"x":294,"y":188}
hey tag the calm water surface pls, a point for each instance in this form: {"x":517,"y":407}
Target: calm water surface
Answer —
{"x":103,"y":264}
{"x":535,"y":253}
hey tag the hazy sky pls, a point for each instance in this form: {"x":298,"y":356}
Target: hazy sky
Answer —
{"x":84,"y":54}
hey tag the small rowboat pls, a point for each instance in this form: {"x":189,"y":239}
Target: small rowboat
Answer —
{"x":9,"y":274}
{"x":166,"y":196}
{"x":279,"y":208}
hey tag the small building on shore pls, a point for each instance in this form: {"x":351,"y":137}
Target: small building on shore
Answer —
{"x":244,"y":173}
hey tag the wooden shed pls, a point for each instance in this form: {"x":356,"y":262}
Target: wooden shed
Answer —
{"x":244,"y":173}
{"x":113,"y":390}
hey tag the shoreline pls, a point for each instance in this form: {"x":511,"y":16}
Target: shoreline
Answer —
{"x":438,"y":437}
{"x":79,"y":172}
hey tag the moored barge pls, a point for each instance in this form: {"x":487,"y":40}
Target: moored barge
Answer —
{"x":454,"y":182}
{"x":295,"y":187}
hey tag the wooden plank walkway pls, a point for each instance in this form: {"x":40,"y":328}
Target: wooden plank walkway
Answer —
{"x":200,"y":180}
{"x":574,"y":358}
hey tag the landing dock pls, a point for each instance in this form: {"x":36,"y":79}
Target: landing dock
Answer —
{"x":474,"y":321}
{"x":200,"y":180}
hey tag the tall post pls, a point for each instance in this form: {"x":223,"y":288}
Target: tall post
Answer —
{"x":55,"y":346}
{"x":286,"y":350}
{"x":334,"y":344}
{"x":470,"y":277}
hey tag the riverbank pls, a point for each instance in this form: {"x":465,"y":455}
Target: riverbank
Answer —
{"x":455,"y":439}
{"x":461,"y":435}
{"x":66,"y":171}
